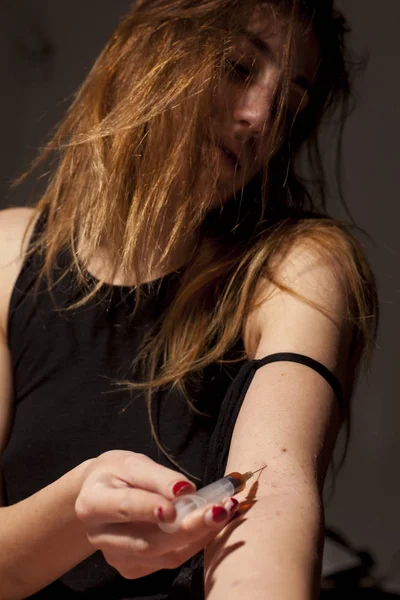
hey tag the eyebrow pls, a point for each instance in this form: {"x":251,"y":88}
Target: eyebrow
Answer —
{"x":266,"y":49}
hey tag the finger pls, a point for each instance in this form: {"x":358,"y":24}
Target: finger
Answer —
{"x":196,"y":526}
{"x":208,"y":515}
{"x":138,"y":470}
{"x":204,"y":519}
{"x":126,"y":539}
{"x":102,"y":504}
{"x":205,"y":534}
{"x":145,"y":542}
{"x":140,"y":543}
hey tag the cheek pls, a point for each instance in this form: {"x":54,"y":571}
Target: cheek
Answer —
{"x":223,"y":100}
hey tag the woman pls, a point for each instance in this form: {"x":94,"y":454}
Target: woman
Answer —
{"x":175,"y":304}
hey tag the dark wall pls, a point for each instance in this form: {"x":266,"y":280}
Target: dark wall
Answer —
{"x":46,"y":50}
{"x":366,"y":501}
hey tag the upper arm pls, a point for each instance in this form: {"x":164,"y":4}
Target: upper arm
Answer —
{"x":13,"y":225}
{"x":289,"y":419}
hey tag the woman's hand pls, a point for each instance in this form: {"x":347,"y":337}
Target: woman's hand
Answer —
{"x":123,"y":498}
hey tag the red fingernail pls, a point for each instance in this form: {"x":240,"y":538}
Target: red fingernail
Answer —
{"x":231,"y":504}
{"x":181,"y":486}
{"x":219,"y":514}
{"x":160,"y":514}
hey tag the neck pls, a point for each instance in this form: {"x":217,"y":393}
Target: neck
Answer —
{"x":101,"y":268}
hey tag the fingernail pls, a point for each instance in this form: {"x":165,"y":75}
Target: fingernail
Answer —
{"x":160,"y":514}
{"x":231,"y":504}
{"x":181,"y":487}
{"x":216,"y":514}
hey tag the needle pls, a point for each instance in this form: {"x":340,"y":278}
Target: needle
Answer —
{"x":250,"y":474}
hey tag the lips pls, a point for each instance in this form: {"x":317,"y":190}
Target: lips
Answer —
{"x":232,"y":155}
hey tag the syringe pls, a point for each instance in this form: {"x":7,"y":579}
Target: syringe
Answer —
{"x":213,"y":493}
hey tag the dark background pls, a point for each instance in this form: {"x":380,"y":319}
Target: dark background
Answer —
{"x":47,"y":47}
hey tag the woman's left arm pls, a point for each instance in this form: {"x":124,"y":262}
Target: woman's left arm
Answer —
{"x":289,"y":421}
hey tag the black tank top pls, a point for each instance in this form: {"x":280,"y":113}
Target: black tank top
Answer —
{"x":67,"y":409}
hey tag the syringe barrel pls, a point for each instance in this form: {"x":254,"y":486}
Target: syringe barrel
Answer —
{"x":212,"y":493}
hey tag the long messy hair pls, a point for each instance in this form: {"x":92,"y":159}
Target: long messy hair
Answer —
{"x":139,"y":124}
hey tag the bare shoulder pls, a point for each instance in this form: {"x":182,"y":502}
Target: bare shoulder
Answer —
{"x":309,"y":300}
{"x":15,"y":227}
{"x":308,"y":272}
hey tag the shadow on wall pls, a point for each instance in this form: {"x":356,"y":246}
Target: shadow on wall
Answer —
{"x":348,"y":572}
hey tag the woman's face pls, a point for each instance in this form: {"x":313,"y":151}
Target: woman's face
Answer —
{"x":245,"y":96}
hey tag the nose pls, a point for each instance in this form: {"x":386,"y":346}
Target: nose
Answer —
{"x":252,"y":110}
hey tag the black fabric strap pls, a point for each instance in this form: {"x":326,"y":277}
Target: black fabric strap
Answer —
{"x":308,"y":362}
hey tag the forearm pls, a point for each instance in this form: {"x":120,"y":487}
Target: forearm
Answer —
{"x":272,"y":551}
{"x":41,"y":538}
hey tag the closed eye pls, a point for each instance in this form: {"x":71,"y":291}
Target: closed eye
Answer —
{"x":237,"y":71}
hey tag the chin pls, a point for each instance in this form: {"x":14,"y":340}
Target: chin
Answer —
{"x":228,"y":192}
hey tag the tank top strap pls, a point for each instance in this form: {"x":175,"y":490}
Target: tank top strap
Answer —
{"x":38,"y":228}
{"x":232,"y":402}
{"x":307,"y":361}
